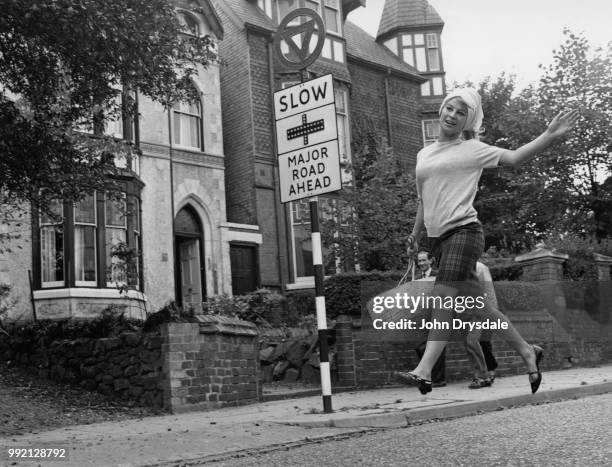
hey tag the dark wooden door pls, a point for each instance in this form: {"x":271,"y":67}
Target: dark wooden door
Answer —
{"x":245,"y":276}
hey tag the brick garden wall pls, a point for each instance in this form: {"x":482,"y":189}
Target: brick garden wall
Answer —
{"x":366,"y":360}
{"x":211,"y":364}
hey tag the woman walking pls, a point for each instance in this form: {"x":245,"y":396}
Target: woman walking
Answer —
{"x":447,"y":175}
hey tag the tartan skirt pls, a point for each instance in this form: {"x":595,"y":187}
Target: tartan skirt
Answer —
{"x":457,"y":252}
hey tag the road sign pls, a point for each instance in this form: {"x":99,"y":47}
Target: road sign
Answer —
{"x":305,"y":31}
{"x":307,"y":139}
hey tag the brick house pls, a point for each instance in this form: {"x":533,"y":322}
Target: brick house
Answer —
{"x":376,"y":84}
{"x":175,"y":199}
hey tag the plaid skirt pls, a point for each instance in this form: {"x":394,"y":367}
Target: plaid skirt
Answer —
{"x":456,"y":253}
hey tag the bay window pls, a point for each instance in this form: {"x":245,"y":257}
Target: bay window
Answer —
{"x":75,"y":243}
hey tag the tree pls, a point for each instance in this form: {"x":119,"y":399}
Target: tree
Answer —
{"x":379,"y":208}
{"x":62,"y":66}
{"x":560,"y":190}
{"x":574,"y":171}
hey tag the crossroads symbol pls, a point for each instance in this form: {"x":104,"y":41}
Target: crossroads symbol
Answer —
{"x":305,"y":129}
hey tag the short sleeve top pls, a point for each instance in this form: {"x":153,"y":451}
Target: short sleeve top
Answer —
{"x":447,"y":176}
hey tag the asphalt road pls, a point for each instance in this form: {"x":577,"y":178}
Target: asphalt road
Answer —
{"x":575,"y":432}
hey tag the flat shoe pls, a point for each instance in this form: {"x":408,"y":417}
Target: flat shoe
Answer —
{"x":539,"y":354}
{"x":424,"y":385}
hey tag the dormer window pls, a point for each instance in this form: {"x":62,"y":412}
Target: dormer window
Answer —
{"x":189,"y":24}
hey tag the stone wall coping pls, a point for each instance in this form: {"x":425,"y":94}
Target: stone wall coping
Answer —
{"x":86,"y":292}
{"x":602,"y":259}
{"x":210,"y":324}
{"x":540,"y":254}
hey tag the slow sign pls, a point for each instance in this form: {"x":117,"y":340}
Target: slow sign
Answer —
{"x":307,"y":139}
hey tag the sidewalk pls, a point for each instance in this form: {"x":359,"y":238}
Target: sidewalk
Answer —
{"x":204,"y":436}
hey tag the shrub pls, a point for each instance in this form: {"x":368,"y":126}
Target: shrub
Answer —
{"x":300,"y":307}
{"x":262,"y":307}
{"x":504,"y":269}
{"x":518,"y":295}
{"x":111,"y":323}
{"x":580,"y":264}
{"x":346,"y":293}
{"x":5,"y":303}
{"x":169,"y":313}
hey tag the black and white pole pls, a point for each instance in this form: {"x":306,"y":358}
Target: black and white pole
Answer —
{"x":317,"y":262}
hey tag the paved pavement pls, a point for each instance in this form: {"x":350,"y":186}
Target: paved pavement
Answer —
{"x":197,"y":437}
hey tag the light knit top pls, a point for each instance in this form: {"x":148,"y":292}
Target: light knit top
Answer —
{"x":447,"y":177}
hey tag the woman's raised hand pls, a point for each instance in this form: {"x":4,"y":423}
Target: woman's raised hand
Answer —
{"x":562,"y":123}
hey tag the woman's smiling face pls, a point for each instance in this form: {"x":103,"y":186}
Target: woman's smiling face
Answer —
{"x":452,"y":118}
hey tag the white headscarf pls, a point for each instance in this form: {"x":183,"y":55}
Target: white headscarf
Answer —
{"x":471,"y":98}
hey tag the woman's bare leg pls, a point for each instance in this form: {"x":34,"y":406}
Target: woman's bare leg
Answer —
{"x":438,"y":339}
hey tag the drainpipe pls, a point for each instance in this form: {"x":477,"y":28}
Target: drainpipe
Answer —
{"x":279,"y":210}
{"x":388,"y":108}
{"x":174,"y":251}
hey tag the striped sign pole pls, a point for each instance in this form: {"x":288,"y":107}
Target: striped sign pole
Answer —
{"x":317,"y":261}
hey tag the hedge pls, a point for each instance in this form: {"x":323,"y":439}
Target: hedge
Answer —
{"x":346,"y":293}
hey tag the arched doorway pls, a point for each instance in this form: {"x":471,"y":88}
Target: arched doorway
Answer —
{"x":189,"y":267}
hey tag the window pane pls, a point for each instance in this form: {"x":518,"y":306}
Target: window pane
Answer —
{"x":52,"y":254}
{"x":434,"y":59}
{"x":136,"y":215}
{"x":432,"y":40}
{"x":338,"y":51}
{"x":326,"y":51}
{"x":302,"y":241}
{"x":418,"y":39}
{"x":431,"y":129}
{"x":85,"y":253}
{"x":438,"y":88}
{"x":115,"y":212}
{"x":420,"y":59}
{"x":342,"y":143}
{"x":331,"y":20}
{"x":425,"y":91}
{"x":177,"y":128}
{"x":339,"y":97}
{"x":194,"y":134}
{"x":406,"y":39}
{"x":116,"y":269}
{"x":85,"y":210}
{"x":408,"y":57}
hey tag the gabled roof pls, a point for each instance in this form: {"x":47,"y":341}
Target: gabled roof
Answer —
{"x":363,"y":47}
{"x":246,"y":12}
{"x":402,"y":14}
{"x":208,"y":11}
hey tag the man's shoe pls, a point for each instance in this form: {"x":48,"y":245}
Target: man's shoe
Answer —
{"x":438,"y":384}
{"x":478,"y":383}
